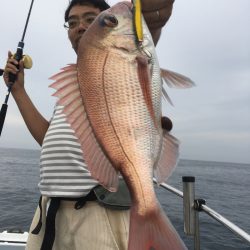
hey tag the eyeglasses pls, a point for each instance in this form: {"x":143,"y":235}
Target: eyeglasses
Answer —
{"x":74,"y":22}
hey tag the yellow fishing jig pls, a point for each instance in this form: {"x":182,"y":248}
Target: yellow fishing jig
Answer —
{"x":137,"y":14}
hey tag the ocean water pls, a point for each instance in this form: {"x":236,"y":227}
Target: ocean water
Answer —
{"x":224,"y":186}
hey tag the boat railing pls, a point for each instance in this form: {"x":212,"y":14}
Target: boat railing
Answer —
{"x":192,"y":207}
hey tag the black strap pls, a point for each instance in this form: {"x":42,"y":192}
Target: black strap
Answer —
{"x":38,"y":227}
{"x":49,"y":235}
{"x":80,"y":202}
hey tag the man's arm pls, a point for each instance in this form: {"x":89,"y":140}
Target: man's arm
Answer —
{"x":35,"y":122}
{"x":156,"y":14}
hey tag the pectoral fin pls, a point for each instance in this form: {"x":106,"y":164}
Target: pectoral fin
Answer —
{"x":166,"y":96}
{"x":146,"y":85}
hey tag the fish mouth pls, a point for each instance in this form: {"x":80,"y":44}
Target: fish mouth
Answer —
{"x":128,"y":4}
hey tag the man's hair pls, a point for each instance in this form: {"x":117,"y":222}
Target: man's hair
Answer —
{"x":100,"y":4}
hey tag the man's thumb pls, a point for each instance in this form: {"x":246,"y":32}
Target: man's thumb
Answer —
{"x":9,"y":54}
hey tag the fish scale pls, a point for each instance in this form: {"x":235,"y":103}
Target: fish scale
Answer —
{"x":111,"y":115}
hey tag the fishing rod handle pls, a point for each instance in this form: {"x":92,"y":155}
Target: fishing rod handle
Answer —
{"x":18,"y":56}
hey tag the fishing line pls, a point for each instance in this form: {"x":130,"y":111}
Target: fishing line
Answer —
{"x":12,"y":78}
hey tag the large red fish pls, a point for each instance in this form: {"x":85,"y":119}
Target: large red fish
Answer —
{"x":112,"y":100}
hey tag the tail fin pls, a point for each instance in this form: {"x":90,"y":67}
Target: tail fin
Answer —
{"x":153,"y":232}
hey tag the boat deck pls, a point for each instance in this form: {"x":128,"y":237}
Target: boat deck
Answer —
{"x":13,"y":240}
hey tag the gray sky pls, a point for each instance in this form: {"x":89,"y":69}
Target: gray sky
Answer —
{"x":206,"y":40}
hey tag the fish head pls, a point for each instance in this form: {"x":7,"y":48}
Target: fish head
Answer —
{"x":112,"y":29}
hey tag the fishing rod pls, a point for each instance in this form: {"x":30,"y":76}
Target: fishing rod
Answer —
{"x":12,"y":78}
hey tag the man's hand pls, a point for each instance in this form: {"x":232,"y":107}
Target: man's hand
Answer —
{"x":11,"y":67}
{"x":35,"y":122}
{"x":156,"y":14}
{"x":166,"y":123}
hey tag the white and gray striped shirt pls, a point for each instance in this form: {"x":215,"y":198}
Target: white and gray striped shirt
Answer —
{"x":63,"y":172}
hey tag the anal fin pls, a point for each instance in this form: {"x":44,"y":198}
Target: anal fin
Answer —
{"x":169,"y":157}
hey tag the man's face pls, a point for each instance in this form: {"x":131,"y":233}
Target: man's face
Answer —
{"x":80,"y":17}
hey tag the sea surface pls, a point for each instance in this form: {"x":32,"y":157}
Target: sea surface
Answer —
{"x":224,"y":186}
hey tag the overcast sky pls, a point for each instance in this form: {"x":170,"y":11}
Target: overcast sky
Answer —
{"x":206,"y":40}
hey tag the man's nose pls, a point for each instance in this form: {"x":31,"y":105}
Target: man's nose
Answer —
{"x":82,"y":27}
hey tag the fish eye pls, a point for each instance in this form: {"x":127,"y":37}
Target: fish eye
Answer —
{"x":109,"y":21}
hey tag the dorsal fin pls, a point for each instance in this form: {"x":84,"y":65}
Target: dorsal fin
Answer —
{"x":67,"y":90}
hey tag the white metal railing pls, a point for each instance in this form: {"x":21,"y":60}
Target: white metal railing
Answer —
{"x":192,"y":207}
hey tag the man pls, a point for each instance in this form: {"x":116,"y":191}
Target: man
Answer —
{"x":74,"y":219}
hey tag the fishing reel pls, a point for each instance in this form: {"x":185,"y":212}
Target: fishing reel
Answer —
{"x":27,"y":63}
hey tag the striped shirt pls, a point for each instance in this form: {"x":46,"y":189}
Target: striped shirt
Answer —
{"x":63,"y":172}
